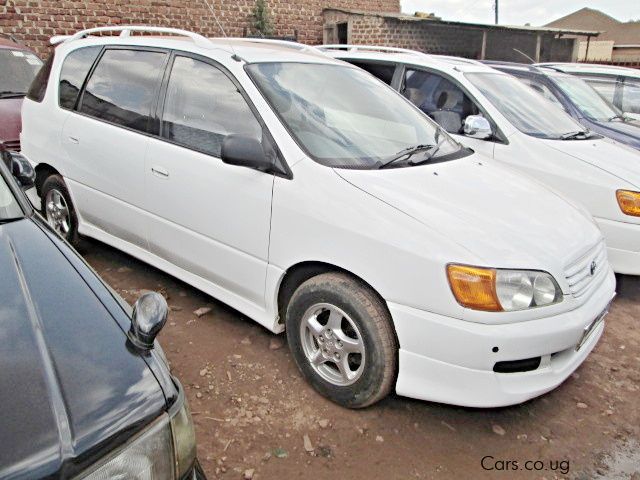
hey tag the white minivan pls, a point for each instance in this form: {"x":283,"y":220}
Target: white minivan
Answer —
{"x":493,"y":113}
{"x":311,"y":197}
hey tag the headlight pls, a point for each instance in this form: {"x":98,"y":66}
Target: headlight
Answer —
{"x":148,"y":457}
{"x":496,"y":290}
{"x":184,"y":437}
{"x":164,"y":451}
{"x":629,"y":202}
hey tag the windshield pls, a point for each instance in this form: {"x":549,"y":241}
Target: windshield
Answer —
{"x":588,"y":101}
{"x":9,"y":207}
{"x":344,"y":117}
{"x":17,"y":69}
{"x":526,"y":109}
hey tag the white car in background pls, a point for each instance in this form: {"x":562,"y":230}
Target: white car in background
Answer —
{"x":619,"y":85}
{"x":307,"y":195}
{"x":493,"y":113}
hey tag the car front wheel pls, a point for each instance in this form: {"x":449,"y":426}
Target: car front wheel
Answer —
{"x":341,"y":335}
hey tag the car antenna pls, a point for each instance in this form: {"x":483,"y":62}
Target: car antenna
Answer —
{"x":235,"y":56}
{"x":525,"y":55}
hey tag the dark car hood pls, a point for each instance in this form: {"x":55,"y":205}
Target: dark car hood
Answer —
{"x":10,"y":122}
{"x":69,"y":387}
{"x":627,"y":132}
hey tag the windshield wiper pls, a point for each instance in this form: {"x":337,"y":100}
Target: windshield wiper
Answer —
{"x":574,"y":135}
{"x":11,"y":93}
{"x":619,"y":116}
{"x":407,"y":153}
{"x":9,"y":220}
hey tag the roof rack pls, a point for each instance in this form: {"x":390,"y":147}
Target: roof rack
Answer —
{"x":272,"y":41}
{"x":125,"y":31}
{"x":379,"y":48}
{"x":370,"y":48}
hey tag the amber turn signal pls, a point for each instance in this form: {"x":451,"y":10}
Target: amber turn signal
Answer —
{"x":474,"y":287}
{"x":629,"y":202}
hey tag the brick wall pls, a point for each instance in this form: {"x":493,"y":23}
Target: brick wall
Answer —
{"x":35,"y":21}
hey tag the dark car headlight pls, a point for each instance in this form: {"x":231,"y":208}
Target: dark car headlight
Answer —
{"x":165,"y":450}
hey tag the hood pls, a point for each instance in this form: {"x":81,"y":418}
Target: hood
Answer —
{"x":627,"y":132}
{"x":10,"y":121}
{"x":69,"y":388}
{"x":619,"y":160}
{"x":503,"y":218}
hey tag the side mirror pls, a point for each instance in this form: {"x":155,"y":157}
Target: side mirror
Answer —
{"x":20,"y":168}
{"x":245,"y":151}
{"x":476,"y":126}
{"x":149,"y":316}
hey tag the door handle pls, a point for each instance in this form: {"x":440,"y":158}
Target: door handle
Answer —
{"x":160,"y":172}
{"x":74,"y":140}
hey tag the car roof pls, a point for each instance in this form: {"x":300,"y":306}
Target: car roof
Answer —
{"x":409,"y":57}
{"x":592,"y":68}
{"x":247,"y":49}
{"x":538,"y":69}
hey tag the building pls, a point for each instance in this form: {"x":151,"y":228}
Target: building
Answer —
{"x":619,"y":41}
{"x":35,"y":21}
{"x":431,"y":34}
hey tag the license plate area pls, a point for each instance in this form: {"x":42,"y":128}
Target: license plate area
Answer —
{"x":588,"y":330}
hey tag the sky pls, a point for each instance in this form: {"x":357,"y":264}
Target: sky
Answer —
{"x":519,"y":12}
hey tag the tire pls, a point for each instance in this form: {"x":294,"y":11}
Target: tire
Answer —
{"x":346,"y":327}
{"x":58,"y":209}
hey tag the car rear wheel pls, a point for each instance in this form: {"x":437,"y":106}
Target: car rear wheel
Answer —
{"x":341,"y":336}
{"x":58,"y":210}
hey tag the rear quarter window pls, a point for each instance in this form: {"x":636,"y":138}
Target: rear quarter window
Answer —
{"x":75,"y":68}
{"x":123,"y":87}
{"x":39,"y":85}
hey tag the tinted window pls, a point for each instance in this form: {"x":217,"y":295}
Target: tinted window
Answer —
{"x":17,"y":70}
{"x":203,"y":106}
{"x":383,"y":72}
{"x":74,"y":71}
{"x":438,"y":97}
{"x":39,"y":85}
{"x":122,"y":88}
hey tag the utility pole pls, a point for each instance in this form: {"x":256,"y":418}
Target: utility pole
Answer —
{"x":495,"y":7}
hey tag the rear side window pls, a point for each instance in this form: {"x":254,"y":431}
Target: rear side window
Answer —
{"x":379,"y":70}
{"x":123,"y":88}
{"x":203,"y":106}
{"x":39,"y":85}
{"x":74,"y":72}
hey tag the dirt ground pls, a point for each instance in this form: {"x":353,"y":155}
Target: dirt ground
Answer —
{"x":256,"y":418}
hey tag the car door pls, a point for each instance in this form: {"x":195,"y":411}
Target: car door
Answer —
{"x":209,"y":219}
{"x":446,"y":102}
{"x":106,"y":137}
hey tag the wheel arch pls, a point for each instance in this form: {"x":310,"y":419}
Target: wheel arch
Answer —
{"x":300,"y":272}
{"x":43,"y":171}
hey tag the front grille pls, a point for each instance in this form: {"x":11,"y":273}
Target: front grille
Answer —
{"x":579,"y":274}
{"x":13,"y":145}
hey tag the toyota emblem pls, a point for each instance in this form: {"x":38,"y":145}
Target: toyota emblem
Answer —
{"x":593,"y":267}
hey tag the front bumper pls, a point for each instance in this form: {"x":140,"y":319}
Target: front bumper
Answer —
{"x":446,"y":360}
{"x":623,"y":245}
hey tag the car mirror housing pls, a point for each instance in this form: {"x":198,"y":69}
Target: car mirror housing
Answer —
{"x":476,"y":126}
{"x":245,"y":151}
{"x":149,"y":316}
{"x":20,"y":168}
